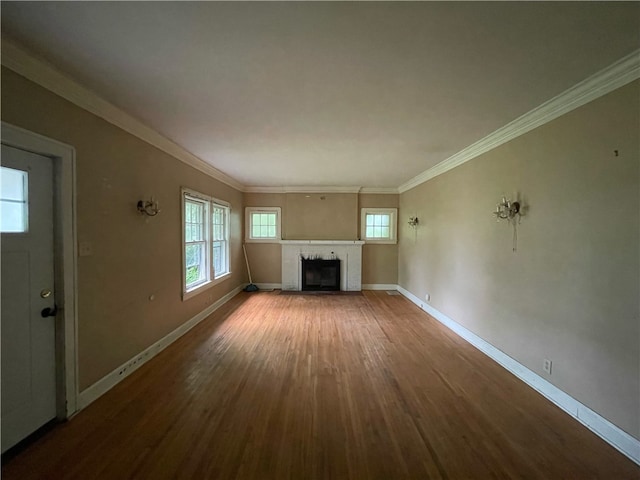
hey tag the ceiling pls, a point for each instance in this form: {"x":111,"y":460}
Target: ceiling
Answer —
{"x":325,"y":94}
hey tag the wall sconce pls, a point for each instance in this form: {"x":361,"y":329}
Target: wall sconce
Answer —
{"x":148,"y":207}
{"x":413,"y":222}
{"x":507,"y":210}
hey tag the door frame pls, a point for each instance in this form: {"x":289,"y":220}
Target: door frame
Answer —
{"x":65,"y":257}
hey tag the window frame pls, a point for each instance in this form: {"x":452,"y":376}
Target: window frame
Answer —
{"x":204,"y":241}
{"x":248,"y":226}
{"x":211,"y":278}
{"x":226,"y":209}
{"x":393,"y":225}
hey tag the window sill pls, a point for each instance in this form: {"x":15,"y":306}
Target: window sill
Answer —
{"x":204,"y":286}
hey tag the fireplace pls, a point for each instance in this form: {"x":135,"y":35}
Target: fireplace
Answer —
{"x":320,"y":275}
{"x":349,"y":252}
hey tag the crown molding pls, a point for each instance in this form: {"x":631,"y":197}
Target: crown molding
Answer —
{"x":38,"y":71}
{"x":304,"y":189}
{"x":380,"y":190}
{"x":328,"y":189}
{"x":264,"y":190}
{"x":616,"y":75}
{"x":47,"y":76}
{"x":322,"y":189}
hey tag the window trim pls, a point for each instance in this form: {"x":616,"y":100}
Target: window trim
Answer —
{"x":247,"y":224}
{"x":393,"y":224}
{"x":211,"y":280}
{"x":227,"y":222}
{"x":206,"y":240}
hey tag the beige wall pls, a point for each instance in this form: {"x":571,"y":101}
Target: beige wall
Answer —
{"x":265,"y":259}
{"x":133,"y":257}
{"x":379,"y":262}
{"x":320,"y":216}
{"x":312,"y":217}
{"x":570,"y":292}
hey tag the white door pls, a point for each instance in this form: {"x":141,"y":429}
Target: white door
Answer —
{"x":28,"y":337}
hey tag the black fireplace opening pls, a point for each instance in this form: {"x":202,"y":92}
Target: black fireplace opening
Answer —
{"x":320,"y":275}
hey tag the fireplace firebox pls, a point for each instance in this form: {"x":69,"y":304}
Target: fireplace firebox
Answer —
{"x":320,"y":275}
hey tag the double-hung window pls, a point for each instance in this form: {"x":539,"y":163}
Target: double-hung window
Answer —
{"x":378,"y":225}
{"x":205,"y":241}
{"x":196,"y":251}
{"x":220,"y":230}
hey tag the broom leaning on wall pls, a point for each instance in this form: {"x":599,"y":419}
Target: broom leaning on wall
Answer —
{"x":251,"y":287}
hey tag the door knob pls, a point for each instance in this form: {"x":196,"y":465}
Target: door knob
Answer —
{"x":46,"y":293}
{"x":49,"y":312}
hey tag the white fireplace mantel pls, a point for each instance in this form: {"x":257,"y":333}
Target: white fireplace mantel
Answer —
{"x":349,"y":252}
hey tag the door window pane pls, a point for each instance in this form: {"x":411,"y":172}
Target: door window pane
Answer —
{"x":13,"y":200}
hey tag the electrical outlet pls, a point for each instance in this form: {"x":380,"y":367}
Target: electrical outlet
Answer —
{"x":546,"y":366}
{"x":85,"y":249}
{"x":136,"y":362}
{"x":427,"y":297}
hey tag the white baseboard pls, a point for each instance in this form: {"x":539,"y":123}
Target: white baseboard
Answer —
{"x":269,"y":286}
{"x":110,"y":380}
{"x":366,"y":286}
{"x":379,"y":286}
{"x":618,"y":438}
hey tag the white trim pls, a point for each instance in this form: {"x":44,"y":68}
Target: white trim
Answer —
{"x":106,"y":383}
{"x":211,"y":280}
{"x":203,"y":287}
{"x":348,"y":252}
{"x":263,"y":190}
{"x":328,"y":189}
{"x":379,"y":286}
{"x":380,"y":190}
{"x":322,"y":189}
{"x":47,"y":76}
{"x":393,"y":225}
{"x":616,"y":75}
{"x":202,"y":199}
{"x":247,"y":224}
{"x":64,"y":157}
{"x":268,"y":286}
{"x":615,"y":436}
{"x":306,"y":189}
{"x":226,"y":210}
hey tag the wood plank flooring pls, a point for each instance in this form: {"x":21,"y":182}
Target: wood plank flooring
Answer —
{"x":320,"y":387}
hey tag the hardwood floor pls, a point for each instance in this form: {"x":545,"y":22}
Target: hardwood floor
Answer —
{"x":320,"y":387}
